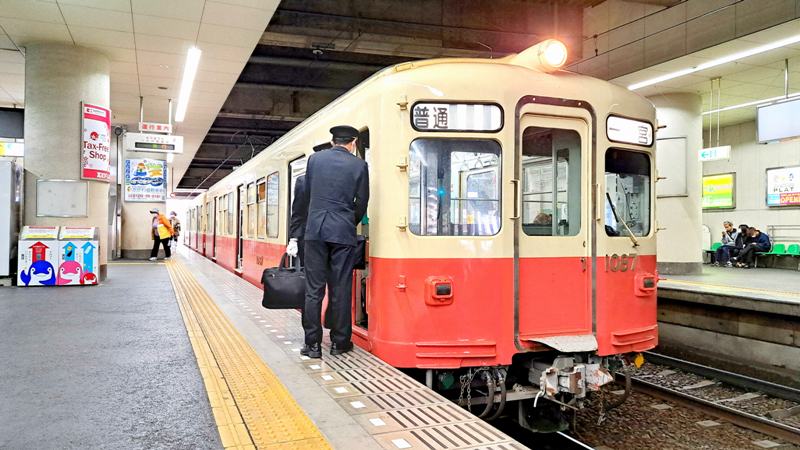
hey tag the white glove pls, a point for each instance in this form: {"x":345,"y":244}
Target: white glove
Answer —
{"x":291,"y":249}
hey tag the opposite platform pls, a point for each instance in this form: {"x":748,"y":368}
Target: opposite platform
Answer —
{"x":774,"y":291}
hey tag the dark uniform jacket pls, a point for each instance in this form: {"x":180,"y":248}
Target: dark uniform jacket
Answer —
{"x":337,"y":191}
{"x":297,"y":224}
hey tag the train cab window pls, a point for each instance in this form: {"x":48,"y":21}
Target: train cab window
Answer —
{"x":551,"y":182}
{"x":627,"y":203}
{"x":273,"y":184}
{"x":454,"y":187}
{"x":261,"y":199}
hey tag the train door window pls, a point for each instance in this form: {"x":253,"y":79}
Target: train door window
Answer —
{"x":252,"y":213}
{"x":627,"y":199}
{"x":222,"y":206}
{"x":273,"y":185}
{"x":261,"y":199}
{"x":230,"y":219}
{"x":551,"y":182}
{"x":209,"y":216}
{"x":454,"y":187}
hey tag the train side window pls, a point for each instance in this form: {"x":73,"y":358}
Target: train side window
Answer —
{"x":231,"y":219}
{"x":454,"y":187}
{"x":221,"y":207}
{"x":261,"y":198}
{"x":273,"y":185}
{"x":551,"y":182}
{"x":251,"y":210}
{"x":627,"y":199}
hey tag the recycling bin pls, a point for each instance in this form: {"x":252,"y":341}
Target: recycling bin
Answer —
{"x":37,"y":256}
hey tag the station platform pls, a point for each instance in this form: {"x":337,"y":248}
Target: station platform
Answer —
{"x":182,"y":355}
{"x":766,"y":290}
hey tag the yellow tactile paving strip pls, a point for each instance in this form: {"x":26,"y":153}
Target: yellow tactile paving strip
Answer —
{"x":251,"y":407}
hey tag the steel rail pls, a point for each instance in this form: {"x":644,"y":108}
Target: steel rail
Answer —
{"x":732,"y":378}
{"x":734,"y":416}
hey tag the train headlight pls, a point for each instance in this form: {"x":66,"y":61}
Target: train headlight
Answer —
{"x":552,"y":54}
{"x":547,"y":56}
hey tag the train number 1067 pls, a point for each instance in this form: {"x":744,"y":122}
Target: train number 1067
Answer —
{"x":621,"y":263}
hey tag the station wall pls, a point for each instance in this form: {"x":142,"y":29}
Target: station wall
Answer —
{"x":750,"y":160}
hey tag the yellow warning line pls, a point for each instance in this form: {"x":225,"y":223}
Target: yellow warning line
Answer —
{"x":251,"y":407}
{"x":731,"y":288}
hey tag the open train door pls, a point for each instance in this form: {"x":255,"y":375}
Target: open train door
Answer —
{"x":552,"y":248}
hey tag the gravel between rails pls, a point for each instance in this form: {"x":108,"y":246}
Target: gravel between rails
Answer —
{"x":637,"y":425}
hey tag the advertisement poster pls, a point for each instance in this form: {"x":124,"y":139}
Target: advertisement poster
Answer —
{"x":145,"y":180}
{"x":783,"y":186}
{"x":718,"y":191}
{"x":96,"y":143}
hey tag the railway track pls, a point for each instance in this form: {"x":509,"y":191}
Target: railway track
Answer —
{"x":695,"y":397}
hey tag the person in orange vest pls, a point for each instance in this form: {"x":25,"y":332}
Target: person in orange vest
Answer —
{"x":161,"y":231}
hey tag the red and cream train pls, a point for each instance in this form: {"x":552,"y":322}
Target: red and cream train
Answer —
{"x":510,"y":227}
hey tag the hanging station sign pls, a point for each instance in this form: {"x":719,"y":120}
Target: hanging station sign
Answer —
{"x":145,"y":180}
{"x":479,"y":117}
{"x":153,"y":127}
{"x":783,"y":186}
{"x":96,"y":143}
{"x":154,"y":143}
{"x":715,"y":153}
{"x":629,"y":131}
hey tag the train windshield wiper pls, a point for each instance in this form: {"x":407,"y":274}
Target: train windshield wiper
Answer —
{"x":622,"y":221}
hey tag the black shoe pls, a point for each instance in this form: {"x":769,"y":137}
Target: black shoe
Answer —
{"x":312,"y":351}
{"x":339,"y":349}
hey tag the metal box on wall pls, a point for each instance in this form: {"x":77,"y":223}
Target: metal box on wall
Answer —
{"x":37,"y":256}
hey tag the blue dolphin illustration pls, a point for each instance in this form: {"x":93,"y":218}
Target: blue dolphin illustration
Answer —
{"x":37,"y":270}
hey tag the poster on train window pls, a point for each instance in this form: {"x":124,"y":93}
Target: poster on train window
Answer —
{"x":145,"y":180}
{"x":95,"y":143}
{"x":719,"y":191}
{"x":783,"y":186}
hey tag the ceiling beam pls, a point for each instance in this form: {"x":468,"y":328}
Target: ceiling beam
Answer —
{"x":249,"y":130}
{"x":290,"y":88}
{"x":315,"y":64}
{"x":278,"y":118}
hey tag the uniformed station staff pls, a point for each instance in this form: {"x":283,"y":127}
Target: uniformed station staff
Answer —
{"x":337,"y":192}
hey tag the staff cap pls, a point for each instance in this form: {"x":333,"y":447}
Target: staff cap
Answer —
{"x":344,"y":132}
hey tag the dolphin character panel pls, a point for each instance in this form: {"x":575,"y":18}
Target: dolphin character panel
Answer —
{"x":70,"y":272}
{"x":41,"y":273}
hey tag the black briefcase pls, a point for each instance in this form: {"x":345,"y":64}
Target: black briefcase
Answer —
{"x":284,"y":286}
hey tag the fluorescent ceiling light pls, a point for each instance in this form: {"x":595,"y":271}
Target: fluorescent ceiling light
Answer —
{"x":753,"y":103}
{"x":189,"y":72}
{"x":717,"y":62}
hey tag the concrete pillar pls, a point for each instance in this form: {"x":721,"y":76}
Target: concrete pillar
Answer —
{"x":57,"y":78}
{"x":679,"y":212}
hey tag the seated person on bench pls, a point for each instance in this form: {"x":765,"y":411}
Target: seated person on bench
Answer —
{"x":760,"y":243}
{"x":729,"y":236}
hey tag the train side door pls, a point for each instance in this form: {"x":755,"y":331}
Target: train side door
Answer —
{"x":215,"y":218}
{"x":552,"y":239}
{"x":297,"y":168}
{"x":241,"y":198}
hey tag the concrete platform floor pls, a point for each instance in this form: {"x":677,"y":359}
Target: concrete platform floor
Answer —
{"x":109,"y":366}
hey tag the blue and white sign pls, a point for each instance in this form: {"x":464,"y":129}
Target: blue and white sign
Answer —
{"x":715,"y":153}
{"x":145,"y":180}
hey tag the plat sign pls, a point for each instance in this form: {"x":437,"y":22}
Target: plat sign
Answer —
{"x":621,"y":263}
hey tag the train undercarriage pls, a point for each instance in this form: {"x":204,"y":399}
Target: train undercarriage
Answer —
{"x":540,"y":391}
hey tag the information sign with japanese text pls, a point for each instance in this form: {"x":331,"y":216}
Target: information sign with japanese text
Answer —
{"x":96,"y":143}
{"x":456,"y":117}
{"x":145,"y":180}
{"x":783,"y":186}
{"x":629,"y":131}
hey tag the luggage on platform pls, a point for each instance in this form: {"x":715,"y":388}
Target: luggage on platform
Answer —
{"x":284,"y":286}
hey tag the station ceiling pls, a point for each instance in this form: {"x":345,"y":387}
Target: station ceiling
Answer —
{"x":313,"y":51}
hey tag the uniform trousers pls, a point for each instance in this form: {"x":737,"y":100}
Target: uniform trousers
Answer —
{"x":330,"y":264}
